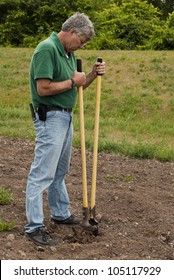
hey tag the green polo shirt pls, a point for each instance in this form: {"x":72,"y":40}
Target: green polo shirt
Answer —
{"x":50,"y":61}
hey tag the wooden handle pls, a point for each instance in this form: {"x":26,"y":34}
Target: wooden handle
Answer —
{"x":82,"y":139}
{"x":96,"y":133}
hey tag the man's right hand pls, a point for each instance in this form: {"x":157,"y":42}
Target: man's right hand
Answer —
{"x":79,"y":78}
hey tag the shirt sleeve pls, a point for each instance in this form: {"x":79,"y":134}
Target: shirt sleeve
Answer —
{"x":43,"y":65}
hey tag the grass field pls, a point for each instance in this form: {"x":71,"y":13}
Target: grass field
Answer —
{"x":137,"y":101}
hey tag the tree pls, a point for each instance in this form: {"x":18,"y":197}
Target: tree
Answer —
{"x":165,"y":6}
{"x":163,"y":37}
{"x":128,"y":26}
{"x":119,"y":24}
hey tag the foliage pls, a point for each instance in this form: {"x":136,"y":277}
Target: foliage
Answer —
{"x":126,"y":27}
{"x":6,"y":196}
{"x":165,"y":6}
{"x":6,"y":226}
{"x":119,"y":24}
{"x":163,"y":36}
{"x":21,"y":19}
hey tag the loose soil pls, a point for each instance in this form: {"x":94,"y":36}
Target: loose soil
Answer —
{"x":135,"y":198}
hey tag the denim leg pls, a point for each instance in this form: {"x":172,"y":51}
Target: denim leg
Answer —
{"x":57,"y":193}
{"x":53,"y":142}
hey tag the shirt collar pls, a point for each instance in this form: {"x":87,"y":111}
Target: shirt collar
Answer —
{"x":57,"y":42}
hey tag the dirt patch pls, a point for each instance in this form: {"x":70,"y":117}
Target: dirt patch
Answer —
{"x":135,"y":198}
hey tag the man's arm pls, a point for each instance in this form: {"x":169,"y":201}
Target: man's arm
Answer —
{"x":91,"y":76}
{"x":46,"y":87}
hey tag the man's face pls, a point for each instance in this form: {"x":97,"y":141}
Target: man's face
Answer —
{"x":75,"y":42}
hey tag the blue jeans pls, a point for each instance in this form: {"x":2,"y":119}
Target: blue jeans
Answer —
{"x":49,"y":169}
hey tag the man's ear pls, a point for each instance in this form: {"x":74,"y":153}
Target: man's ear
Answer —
{"x":73,"y":30}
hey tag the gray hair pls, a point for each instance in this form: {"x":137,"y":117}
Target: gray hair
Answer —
{"x":81,"y":23}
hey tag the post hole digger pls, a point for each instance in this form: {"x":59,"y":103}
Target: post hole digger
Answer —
{"x":90,"y":219}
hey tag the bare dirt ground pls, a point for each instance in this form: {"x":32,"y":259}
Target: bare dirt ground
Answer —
{"x":135,"y":198}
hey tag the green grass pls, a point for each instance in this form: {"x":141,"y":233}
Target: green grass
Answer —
{"x":6,"y":226}
{"x":6,"y":197}
{"x":137,"y":101}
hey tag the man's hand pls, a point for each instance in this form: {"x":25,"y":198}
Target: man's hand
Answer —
{"x":79,"y":78}
{"x":99,"y":68}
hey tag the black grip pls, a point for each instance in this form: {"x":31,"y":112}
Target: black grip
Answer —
{"x":79,"y":65}
{"x":99,"y":59}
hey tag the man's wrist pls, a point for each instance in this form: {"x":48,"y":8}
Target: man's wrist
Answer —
{"x":93,"y":75}
{"x":73,"y":84}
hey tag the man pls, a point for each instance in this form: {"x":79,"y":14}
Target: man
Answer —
{"x":54,"y":81}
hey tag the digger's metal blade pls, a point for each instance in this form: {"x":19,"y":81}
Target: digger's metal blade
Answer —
{"x":85,"y":222}
{"x":94,"y":226}
{"x":89,"y":224}
{"x":93,"y":221}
